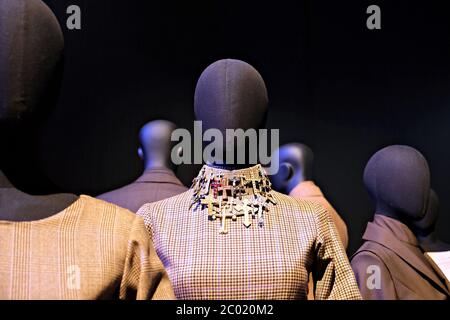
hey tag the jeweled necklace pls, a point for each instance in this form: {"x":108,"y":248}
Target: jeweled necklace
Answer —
{"x":232,"y":194}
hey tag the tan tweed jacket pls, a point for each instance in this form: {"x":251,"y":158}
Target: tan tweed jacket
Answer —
{"x":272,"y":261}
{"x":91,"y":250}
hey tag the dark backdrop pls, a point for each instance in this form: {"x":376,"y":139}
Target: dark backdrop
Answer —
{"x":335,"y":85}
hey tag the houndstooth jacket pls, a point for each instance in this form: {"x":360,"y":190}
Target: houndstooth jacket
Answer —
{"x":269,"y":262}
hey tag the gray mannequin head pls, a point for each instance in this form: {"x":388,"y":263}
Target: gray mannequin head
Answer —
{"x":231,"y":94}
{"x":156,"y":145}
{"x":398,"y":180}
{"x":296,"y":165}
{"x":31,"y":52}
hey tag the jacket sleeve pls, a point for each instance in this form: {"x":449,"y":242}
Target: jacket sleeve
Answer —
{"x":340,"y":225}
{"x":373,"y":277}
{"x":332,"y":273}
{"x":144,"y":274}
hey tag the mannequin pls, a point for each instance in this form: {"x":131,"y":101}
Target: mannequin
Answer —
{"x":158,"y":180}
{"x":156,"y":144}
{"x":425,"y":228}
{"x":230,"y":236}
{"x":296,"y":166}
{"x":390,"y":264}
{"x":295,"y":178}
{"x":28,"y":85}
{"x":60,"y":246}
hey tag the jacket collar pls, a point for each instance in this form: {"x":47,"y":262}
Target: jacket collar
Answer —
{"x":159,"y":175}
{"x":397,"y":237}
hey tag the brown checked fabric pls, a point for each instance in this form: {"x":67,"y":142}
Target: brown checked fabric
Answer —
{"x":270,"y":259}
{"x":90,"y":250}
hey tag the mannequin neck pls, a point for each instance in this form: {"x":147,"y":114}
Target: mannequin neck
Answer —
{"x":225,"y":164}
{"x":298,"y":178}
{"x":424,"y":233}
{"x":158,"y":163}
{"x":431,"y":243}
{"x":229,"y":167}
{"x":390,"y":212}
{"x":428,"y":239}
{"x":16,"y":205}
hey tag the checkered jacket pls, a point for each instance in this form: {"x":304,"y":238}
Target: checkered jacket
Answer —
{"x":272,"y":261}
{"x":91,"y":250}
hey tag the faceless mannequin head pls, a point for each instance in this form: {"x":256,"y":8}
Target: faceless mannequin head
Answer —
{"x":296,"y":165}
{"x":32,"y":44}
{"x":231,"y":94}
{"x":398,"y":180}
{"x":156,"y":145}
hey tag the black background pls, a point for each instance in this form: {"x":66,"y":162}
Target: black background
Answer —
{"x":344,"y":90}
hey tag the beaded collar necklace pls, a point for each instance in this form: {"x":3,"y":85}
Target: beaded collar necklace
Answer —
{"x":231,"y":194}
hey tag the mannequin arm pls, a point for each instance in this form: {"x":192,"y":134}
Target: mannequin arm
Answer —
{"x":144,"y":274}
{"x":334,"y":278}
{"x":374,"y":279}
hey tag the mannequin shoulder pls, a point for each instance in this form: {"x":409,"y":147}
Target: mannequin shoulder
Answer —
{"x":178,"y":204}
{"x":106,"y":219}
{"x":106,"y":210}
{"x":305,"y":208}
{"x":362,"y":260}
